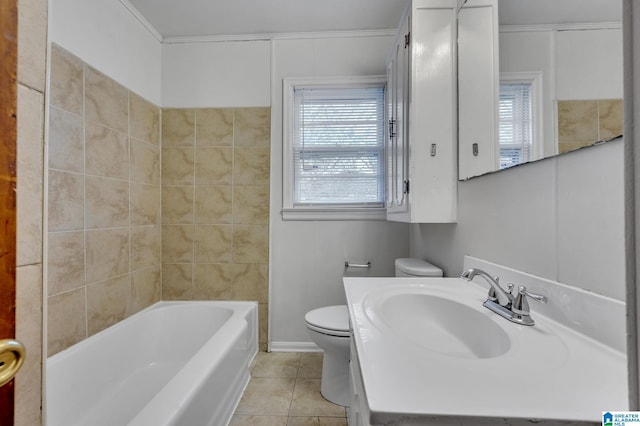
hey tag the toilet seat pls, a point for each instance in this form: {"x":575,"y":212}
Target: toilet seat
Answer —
{"x":330,"y":320}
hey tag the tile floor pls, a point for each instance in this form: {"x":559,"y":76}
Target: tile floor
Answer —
{"x":285,"y":391}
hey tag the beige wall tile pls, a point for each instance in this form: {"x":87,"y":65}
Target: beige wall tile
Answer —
{"x":577,"y":121}
{"x":263,"y":322}
{"x":177,"y":166}
{"x":145,"y":288}
{"x":177,"y":243}
{"x":178,"y":127}
{"x":67,"y":81}
{"x":251,"y":204}
{"x":28,"y":381}
{"x":144,"y":120}
{"x":610,"y":118}
{"x":32,"y":58}
{"x":66,"y":201}
{"x":213,"y":204}
{"x":115,"y":163}
{"x":251,"y":243}
{"x":213,"y":243}
{"x":252,"y":127}
{"x":66,"y":141}
{"x":65,"y":261}
{"x":214,"y":166}
{"x":572,"y":146}
{"x":213,"y":281}
{"x":145,"y":204}
{"x":30,"y":156}
{"x":145,"y":162}
{"x":213,"y":186}
{"x":32,"y":33}
{"x":107,"y":303}
{"x":106,"y":101}
{"x":177,"y":204}
{"x":177,"y":281}
{"x":214,"y":127}
{"x":251,"y":282}
{"x":146,"y":246}
{"x":107,"y":253}
{"x":251,"y":166}
{"x":66,"y":320}
{"x":106,"y":152}
{"x":107,"y":203}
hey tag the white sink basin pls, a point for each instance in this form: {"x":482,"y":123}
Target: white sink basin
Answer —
{"x":429,"y":351}
{"x":442,"y":325}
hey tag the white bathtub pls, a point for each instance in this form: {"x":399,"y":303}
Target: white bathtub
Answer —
{"x":174,"y":363}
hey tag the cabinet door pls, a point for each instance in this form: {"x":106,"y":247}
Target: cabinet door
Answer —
{"x":398,"y":109}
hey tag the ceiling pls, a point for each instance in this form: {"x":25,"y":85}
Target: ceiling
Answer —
{"x":218,"y":18}
{"x":198,"y":18}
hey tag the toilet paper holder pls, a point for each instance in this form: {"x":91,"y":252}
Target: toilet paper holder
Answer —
{"x":348,"y":264}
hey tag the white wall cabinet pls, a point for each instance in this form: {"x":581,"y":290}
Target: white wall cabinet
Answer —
{"x":422,"y":116}
{"x":478,"y":88}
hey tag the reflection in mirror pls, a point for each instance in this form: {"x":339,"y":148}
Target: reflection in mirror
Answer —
{"x":554,"y":75}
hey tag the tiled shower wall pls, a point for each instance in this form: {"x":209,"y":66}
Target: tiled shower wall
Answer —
{"x":104,"y":239}
{"x":581,"y":123}
{"x":215,"y":206}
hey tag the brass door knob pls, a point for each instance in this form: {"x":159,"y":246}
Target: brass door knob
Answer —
{"x":12,"y":354}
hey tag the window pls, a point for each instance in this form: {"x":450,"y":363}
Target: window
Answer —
{"x":334,"y":149}
{"x":519,"y":126}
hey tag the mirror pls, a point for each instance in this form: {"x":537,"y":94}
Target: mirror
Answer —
{"x":536,"y":79}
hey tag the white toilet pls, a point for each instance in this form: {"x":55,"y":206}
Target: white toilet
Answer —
{"x":329,"y":329}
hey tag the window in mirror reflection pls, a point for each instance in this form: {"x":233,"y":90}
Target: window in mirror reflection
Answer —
{"x":518,"y":125}
{"x":514,"y":128}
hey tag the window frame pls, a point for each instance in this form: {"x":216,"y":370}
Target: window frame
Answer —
{"x":324,"y":212}
{"x":534,"y":78}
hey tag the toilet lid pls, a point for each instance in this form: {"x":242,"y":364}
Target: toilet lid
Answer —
{"x":331,"y":318}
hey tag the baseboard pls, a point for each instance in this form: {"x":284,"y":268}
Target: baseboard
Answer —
{"x":293,"y":347}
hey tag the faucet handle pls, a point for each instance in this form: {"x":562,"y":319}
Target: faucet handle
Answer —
{"x":520,"y":305}
{"x":537,"y":297}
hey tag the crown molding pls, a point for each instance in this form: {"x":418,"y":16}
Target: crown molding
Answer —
{"x":561,"y":27}
{"x":140,"y":17}
{"x":279,"y":36}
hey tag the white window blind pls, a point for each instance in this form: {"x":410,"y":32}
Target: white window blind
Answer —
{"x":338,"y":147}
{"x":515,"y":125}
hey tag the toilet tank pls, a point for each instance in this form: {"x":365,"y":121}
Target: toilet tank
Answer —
{"x":412,"y":267}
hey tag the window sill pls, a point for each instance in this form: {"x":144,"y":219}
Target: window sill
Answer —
{"x":334,"y":214}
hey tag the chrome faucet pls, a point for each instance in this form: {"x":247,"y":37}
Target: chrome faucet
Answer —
{"x":504,"y":297}
{"x":502,"y":302}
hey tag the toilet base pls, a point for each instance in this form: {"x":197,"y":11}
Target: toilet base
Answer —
{"x":335,"y":379}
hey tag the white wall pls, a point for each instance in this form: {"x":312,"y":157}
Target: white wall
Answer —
{"x":104,"y":34}
{"x":560,"y":218}
{"x":216,"y":74}
{"x":575,"y":65}
{"x":307,"y":257}
{"x":589,"y":64}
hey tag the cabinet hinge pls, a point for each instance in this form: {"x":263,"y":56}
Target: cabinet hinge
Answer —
{"x":407,"y":39}
{"x":406,"y":187}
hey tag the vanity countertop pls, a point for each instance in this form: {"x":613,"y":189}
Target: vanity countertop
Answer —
{"x":545,"y":372}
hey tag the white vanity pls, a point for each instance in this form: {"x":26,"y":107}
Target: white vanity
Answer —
{"x":425,"y":351}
